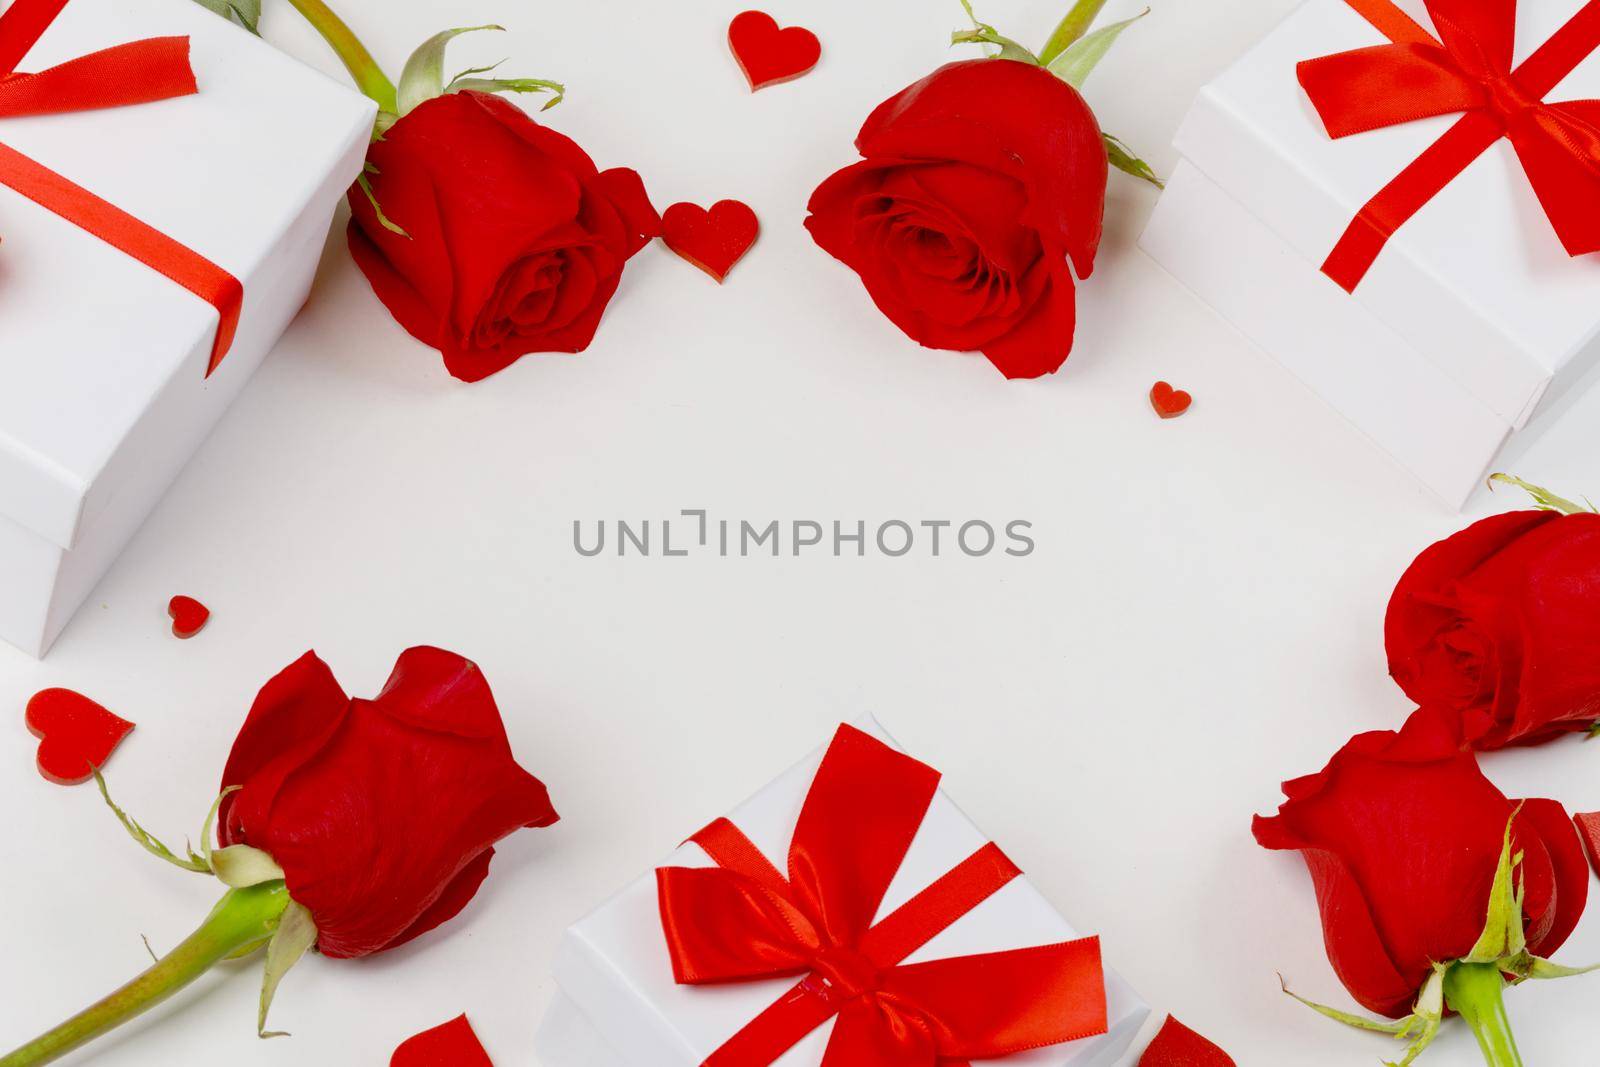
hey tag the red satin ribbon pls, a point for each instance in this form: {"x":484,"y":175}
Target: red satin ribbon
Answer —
{"x":1467,"y":69}
{"x":745,"y":921}
{"x":134,"y":73}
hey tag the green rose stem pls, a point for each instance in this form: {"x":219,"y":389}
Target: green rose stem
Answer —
{"x":369,"y":77}
{"x":1474,"y":991}
{"x":243,"y":919}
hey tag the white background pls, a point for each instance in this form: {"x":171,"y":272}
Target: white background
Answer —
{"x":1202,"y":617}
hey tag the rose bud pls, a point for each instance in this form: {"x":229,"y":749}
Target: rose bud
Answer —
{"x":1431,"y":884}
{"x":978,"y":186}
{"x":1499,"y":624}
{"x":346,"y":825}
{"x":485,"y":234}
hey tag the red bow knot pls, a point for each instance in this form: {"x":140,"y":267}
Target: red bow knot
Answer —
{"x":1468,"y":70}
{"x":744,"y":921}
{"x":139,"y":72}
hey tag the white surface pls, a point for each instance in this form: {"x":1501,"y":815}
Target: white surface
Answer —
{"x":103,"y":393}
{"x":614,"y":963}
{"x":1202,"y":617}
{"x":1400,"y":397}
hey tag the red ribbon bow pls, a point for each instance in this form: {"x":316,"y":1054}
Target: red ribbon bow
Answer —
{"x":1467,"y":69}
{"x":135,"y":73}
{"x":743,"y":921}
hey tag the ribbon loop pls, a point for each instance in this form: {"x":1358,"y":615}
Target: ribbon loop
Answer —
{"x":138,"y":72}
{"x":743,"y":921}
{"x":1467,"y":70}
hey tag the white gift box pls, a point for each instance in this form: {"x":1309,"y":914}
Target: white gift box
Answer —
{"x":103,"y":393}
{"x":619,"y":1005}
{"x":1473,"y":322}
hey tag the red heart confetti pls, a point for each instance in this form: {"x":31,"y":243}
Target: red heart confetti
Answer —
{"x":1169,"y":402}
{"x":189,"y":616}
{"x":1589,"y":830}
{"x":452,"y":1045}
{"x":712,"y":240}
{"x":1178,"y":1046}
{"x":769,"y":55}
{"x":76,"y":735}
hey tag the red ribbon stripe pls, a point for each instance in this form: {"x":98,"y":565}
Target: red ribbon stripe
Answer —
{"x":1467,"y":70}
{"x":139,"y":72}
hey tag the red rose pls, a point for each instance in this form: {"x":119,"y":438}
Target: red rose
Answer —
{"x":978,"y":183}
{"x":514,"y":242}
{"x":1403,"y":836}
{"x":383,"y":812}
{"x":1501,"y":625}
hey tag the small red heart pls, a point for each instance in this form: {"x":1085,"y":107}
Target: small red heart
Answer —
{"x":769,"y":55}
{"x":76,"y":735}
{"x":1169,"y":402}
{"x":1178,"y":1046}
{"x":712,"y":240}
{"x":452,"y":1045}
{"x":189,"y":616}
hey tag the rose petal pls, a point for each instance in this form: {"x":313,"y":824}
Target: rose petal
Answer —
{"x":453,"y":1044}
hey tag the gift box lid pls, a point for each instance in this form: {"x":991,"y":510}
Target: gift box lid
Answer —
{"x":614,"y":965}
{"x":1478,"y":280}
{"x":92,"y":341}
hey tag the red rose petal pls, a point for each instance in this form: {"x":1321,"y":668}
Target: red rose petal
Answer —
{"x":452,"y":1045}
{"x":712,"y":240}
{"x":189,"y":616}
{"x":1169,"y":402}
{"x":1178,"y":1046}
{"x":769,"y":55}
{"x":1589,"y":830}
{"x":75,"y":734}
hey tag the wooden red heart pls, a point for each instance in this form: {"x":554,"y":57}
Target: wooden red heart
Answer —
{"x":1169,"y":402}
{"x":769,"y":55}
{"x":712,"y":240}
{"x":189,"y":616}
{"x":452,"y":1045}
{"x":76,"y":735}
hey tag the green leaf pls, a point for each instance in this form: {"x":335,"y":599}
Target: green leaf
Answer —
{"x":464,"y":84}
{"x":240,"y":866}
{"x":1072,"y":27}
{"x":296,"y":933}
{"x":1543,"y":499}
{"x":1074,"y":65}
{"x":423,"y":77}
{"x":144,"y":839}
{"x":246,"y":13}
{"x":1122,"y":158}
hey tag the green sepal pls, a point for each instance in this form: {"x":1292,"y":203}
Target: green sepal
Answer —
{"x":1123,"y":159}
{"x":464,"y":84}
{"x":145,"y":839}
{"x":1420,"y":1027}
{"x":423,"y":77}
{"x":1544,"y":499}
{"x":295,"y":935}
{"x":246,"y":13}
{"x":1071,"y":28}
{"x":240,"y":866}
{"x":1077,"y":61}
{"x":365,"y":184}
{"x":1503,"y":937}
{"x":983,"y":33}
